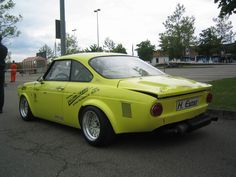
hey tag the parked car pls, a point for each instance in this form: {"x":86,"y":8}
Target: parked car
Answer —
{"x":106,"y":94}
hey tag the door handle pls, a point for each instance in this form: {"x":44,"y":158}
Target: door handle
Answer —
{"x":60,"y":88}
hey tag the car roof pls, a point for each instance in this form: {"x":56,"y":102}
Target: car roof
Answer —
{"x":87,"y":56}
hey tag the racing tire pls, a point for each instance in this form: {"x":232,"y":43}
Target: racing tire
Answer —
{"x":24,"y":109}
{"x":96,"y":127}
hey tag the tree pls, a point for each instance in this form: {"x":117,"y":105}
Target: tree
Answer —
{"x":94,"y":48}
{"x":145,"y":50}
{"x":109,"y":45}
{"x":7,"y":21}
{"x":224,"y":29}
{"x":119,"y":49}
{"x":71,"y":44}
{"x":48,"y":50}
{"x":209,"y":43}
{"x":231,"y":48}
{"x":179,"y":34}
{"x":227,"y":7}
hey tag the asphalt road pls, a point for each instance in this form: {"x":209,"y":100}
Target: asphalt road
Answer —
{"x":44,"y":149}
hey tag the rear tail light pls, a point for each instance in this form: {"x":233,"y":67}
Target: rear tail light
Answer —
{"x":156,"y":109}
{"x":209,"y":98}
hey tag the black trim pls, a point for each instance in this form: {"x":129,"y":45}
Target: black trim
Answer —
{"x":49,"y":68}
{"x":44,"y":76}
{"x":71,"y":60}
{"x":156,"y":95}
{"x":181,"y":94}
{"x":146,"y":93}
{"x":187,"y":125}
{"x":198,"y":122}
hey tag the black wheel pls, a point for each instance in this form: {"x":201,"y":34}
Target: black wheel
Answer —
{"x":96,"y":127}
{"x":24,"y":109}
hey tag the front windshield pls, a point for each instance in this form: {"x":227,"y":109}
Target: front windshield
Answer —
{"x":117,"y":67}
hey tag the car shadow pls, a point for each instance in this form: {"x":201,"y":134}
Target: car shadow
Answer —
{"x":131,"y":140}
{"x":54,"y":126}
{"x":157,"y":139}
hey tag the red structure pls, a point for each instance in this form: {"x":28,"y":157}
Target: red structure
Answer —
{"x":34,"y":65}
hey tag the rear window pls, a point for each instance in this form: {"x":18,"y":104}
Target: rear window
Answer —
{"x":117,"y":67}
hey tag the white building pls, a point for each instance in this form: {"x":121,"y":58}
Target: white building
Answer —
{"x":159,"y":60}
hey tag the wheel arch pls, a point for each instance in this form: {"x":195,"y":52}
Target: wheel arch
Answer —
{"x":104,"y":108}
{"x":29,"y":102}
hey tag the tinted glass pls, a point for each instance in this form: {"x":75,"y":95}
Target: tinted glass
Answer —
{"x":80,"y":73}
{"x":116,"y":67}
{"x":60,"y":71}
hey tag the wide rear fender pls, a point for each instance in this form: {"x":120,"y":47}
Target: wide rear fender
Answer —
{"x":105,"y":108}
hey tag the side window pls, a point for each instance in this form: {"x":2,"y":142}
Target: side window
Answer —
{"x":60,"y":71}
{"x":80,"y":73}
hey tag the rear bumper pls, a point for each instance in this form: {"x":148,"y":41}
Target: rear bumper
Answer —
{"x":200,"y":121}
{"x":189,"y":124}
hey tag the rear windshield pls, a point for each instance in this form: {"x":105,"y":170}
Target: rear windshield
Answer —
{"x":117,"y":67}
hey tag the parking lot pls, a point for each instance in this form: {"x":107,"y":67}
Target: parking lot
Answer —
{"x":43,"y":149}
{"x":204,"y":73}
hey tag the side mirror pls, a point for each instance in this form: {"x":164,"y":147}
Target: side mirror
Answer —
{"x":40,"y":79}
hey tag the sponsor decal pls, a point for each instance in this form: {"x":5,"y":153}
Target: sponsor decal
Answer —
{"x":74,"y":98}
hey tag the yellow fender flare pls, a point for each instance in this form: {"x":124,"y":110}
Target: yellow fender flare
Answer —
{"x":105,"y":108}
{"x":29,"y":102}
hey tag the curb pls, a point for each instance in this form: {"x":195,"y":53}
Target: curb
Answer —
{"x":222,"y":114}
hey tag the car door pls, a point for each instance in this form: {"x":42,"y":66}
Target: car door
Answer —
{"x":76,"y":91}
{"x":49,"y":92}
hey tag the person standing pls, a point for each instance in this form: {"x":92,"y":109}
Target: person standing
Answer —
{"x":13,"y":68}
{"x":3,"y":54}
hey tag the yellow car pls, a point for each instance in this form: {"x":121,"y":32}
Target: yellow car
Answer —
{"x":106,"y":94}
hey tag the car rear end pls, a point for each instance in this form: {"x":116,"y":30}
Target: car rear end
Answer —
{"x":185,"y":112}
{"x":174,"y":101}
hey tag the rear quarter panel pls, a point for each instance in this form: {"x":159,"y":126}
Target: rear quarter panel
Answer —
{"x":128,"y":111}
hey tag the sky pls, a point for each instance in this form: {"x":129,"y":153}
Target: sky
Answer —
{"x":128,"y":22}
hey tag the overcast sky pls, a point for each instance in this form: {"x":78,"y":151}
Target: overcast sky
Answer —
{"x":124,"y":21}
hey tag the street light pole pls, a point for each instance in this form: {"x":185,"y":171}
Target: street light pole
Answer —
{"x":96,"y":11}
{"x":74,"y":35}
{"x":74,"y":30}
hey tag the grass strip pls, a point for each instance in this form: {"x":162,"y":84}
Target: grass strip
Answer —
{"x":224,"y":94}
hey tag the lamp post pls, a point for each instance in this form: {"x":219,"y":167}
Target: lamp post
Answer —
{"x":75,"y":38}
{"x":96,"y":11}
{"x":74,"y":30}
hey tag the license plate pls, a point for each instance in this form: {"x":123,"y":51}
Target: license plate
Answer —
{"x":186,"y":103}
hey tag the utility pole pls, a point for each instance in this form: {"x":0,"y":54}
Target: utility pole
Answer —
{"x":63,"y":27}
